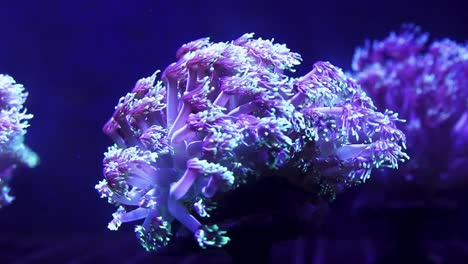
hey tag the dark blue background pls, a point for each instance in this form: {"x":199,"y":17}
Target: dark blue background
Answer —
{"x":77,"y":58}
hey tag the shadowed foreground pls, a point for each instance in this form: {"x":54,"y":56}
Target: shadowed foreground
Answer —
{"x":123,"y":248}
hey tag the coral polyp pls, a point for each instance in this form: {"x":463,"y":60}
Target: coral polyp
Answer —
{"x":427,"y":83}
{"x":225,"y":114}
{"x":13,"y":125}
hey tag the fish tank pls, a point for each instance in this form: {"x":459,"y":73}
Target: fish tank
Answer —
{"x":233,"y":132}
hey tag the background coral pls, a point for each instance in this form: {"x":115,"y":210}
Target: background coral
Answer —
{"x":427,"y":84}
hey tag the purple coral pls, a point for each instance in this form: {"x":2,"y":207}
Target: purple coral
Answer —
{"x":427,"y":83}
{"x":13,"y":124}
{"x":225,"y":114}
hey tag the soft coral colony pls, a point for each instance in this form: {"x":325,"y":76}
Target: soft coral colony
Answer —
{"x":427,"y":83}
{"x":225,"y":114}
{"x":13,"y":124}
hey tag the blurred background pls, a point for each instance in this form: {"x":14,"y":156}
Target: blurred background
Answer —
{"x":77,"y":58}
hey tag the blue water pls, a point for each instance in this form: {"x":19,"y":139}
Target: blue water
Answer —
{"x":77,"y":58}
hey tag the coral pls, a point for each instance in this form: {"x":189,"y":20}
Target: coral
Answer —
{"x":427,"y":84}
{"x":226,"y":114}
{"x":13,"y":124}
